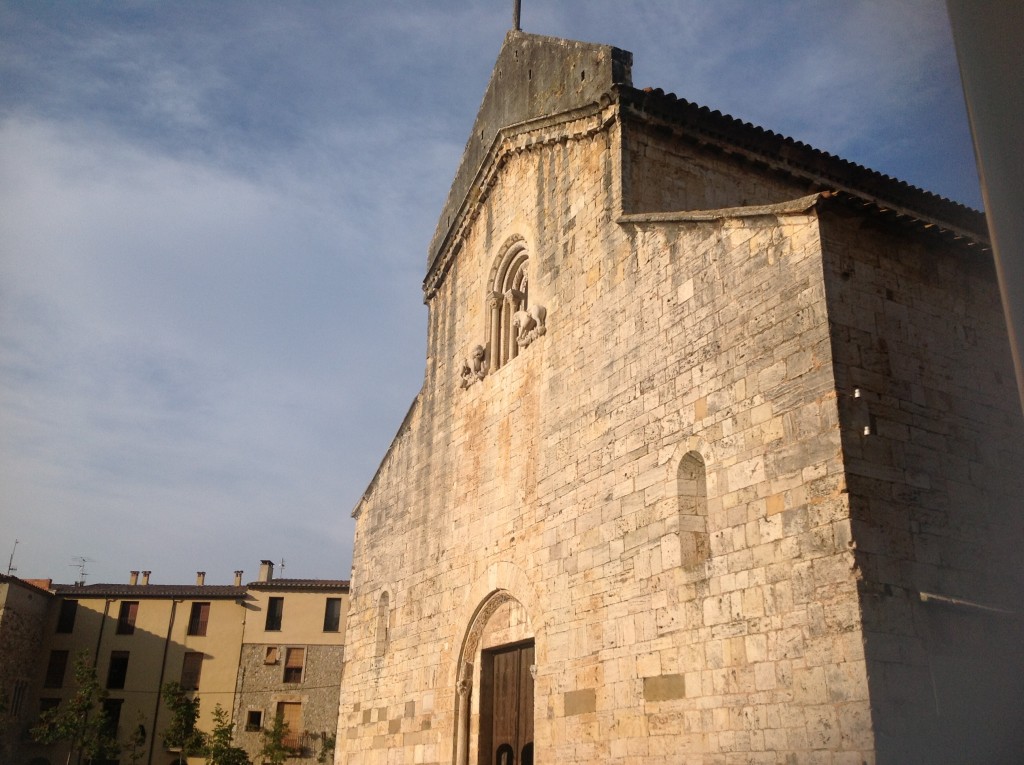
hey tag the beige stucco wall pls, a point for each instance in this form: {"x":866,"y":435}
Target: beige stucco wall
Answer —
{"x":302,"y":622}
{"x":156,"y":652}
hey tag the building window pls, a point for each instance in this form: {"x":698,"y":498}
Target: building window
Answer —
{"x":294,"y":659}
{"x":66,"y":620}
{"x":46,"y":704}
{"x":692,"y":491}
{"x":509,"y":294}
{"x":254,"y":720}
{"x":126,"y":617}
{"x":383,"y":623}
{"x":191,"y":669}
{"x":332,"y":615}
{"x":291,"y":713}
{"x":55,"y":669}
{"x":273,"y":655}
{"x":198,"y":619}
{"x":275,"y":610}
{"x":111,"y":716}
{"x":118,"y":669}
{"x":17,"y":697}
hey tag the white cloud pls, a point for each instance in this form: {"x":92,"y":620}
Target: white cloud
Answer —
{"x":172,"y":349}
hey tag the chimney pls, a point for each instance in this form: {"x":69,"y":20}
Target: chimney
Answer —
{"x":134,"y":577}
{"x":266,"y":570}
{"x":238,"y":578}
{"x":145,"y":577}
{"x":200,"y":578}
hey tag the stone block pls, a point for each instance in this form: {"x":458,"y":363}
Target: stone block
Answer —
{"x":579,"y":702}
{"x":664,"y":687}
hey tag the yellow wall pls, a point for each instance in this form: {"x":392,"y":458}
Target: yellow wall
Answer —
{"x":160,"y":641}
{"x":302,"y":622}
{"x":156,"y":652}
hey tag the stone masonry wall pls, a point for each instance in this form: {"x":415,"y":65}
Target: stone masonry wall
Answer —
{"x":555,"y":478}
{"x":935,"y":487}
{"x":662,"y":173}
{"x":261,"y":687}
{"x":25,"y":615}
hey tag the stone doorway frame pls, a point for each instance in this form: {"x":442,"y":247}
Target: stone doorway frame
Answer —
{"x":465,"y":667}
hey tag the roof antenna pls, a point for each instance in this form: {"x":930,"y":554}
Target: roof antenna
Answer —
{"x":79,"y":562}
{"x":10,"y":564}
{"x":516,"y":8}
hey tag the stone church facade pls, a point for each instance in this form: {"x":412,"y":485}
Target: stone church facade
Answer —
{"x":716,"y":458}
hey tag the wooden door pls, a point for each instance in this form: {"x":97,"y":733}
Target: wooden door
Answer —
{"x":506,"y":706}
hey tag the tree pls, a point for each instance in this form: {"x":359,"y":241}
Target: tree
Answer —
{"x":181,"y":733}
{"x":136,"y":744}
{"x":220,"y":748}
{"x":274,"y":750}
{"x":327,"y":744}
{"x":80,"y":721}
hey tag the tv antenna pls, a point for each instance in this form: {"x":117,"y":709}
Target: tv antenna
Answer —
{"x":80,"y":562}
{"x":10,"y":563}
{"x":282,"y":565}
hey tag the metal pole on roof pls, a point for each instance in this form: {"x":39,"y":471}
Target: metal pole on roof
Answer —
{"x":516,"y":10}
{"x":989,"y":38}
{"x":10,"y":563}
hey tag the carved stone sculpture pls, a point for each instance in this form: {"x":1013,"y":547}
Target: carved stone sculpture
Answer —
{"x":529,"y":324}
{"x":474,"y":368}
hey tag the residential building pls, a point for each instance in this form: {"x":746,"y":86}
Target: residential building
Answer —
{"x":291,"y":661}
{"x":25,"y":609}
{"x":140,"y":636}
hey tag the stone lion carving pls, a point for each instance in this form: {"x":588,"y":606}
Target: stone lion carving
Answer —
{"x":474,"y":368}
{"x":529,"y":324}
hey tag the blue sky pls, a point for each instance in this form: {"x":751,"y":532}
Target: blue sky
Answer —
{"x":214,"y":219}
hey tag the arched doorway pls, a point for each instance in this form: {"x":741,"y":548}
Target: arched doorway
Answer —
{"x":495,"y":681}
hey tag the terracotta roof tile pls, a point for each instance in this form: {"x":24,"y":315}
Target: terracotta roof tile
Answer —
{"x":301,"y":584}
{"x":207,"y":591}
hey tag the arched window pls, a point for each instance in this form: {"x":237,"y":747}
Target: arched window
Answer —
{"x":509,"y":294}
{"x":692,"y":491}
{"x":383,"y":623}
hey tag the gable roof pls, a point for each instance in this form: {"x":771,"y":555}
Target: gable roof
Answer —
{"x":302,"y":585}
{"x":780,"y":153}
{"x":142,"y":591}
{"x":537,"y":76}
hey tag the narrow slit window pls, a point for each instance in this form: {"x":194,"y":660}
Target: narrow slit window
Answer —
{"x":692,"y":492}
{"x":383,"y":623}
